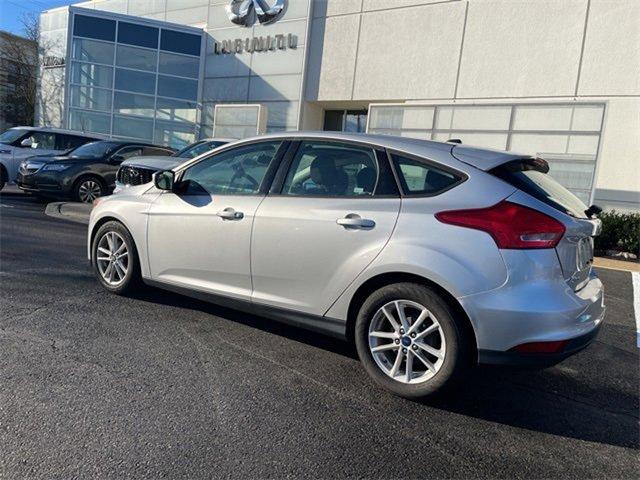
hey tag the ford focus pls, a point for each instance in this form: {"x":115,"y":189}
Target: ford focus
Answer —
{"x":430,"y":257}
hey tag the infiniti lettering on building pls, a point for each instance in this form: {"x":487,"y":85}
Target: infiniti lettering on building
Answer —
{"x":256,"y":44}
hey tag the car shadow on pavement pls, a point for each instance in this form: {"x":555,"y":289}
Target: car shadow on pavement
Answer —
{"x":545,"y":401}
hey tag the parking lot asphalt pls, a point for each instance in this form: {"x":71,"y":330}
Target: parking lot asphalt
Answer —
{"x":159,"y":385}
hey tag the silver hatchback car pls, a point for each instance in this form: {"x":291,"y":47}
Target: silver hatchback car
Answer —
{"x":430,"y":257}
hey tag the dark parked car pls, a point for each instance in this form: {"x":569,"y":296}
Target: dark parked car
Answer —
{"x":84,"y":173}
{"x":137,"y":171}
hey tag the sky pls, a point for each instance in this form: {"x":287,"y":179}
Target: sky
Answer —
{"x":11,"y":11}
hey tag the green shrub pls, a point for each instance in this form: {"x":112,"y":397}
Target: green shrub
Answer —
{"x":620,"y":231}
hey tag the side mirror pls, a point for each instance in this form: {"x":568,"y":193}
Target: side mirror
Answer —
{"x":164,"y":180}
{"x":27,"y":142}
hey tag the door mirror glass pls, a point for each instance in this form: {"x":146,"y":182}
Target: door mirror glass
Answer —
{"x":26,"y":142}
{"x":164,"y":180}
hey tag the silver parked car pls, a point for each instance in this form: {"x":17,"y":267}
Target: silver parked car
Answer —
{"x":139,"y":170}
{"x":429,"y":256}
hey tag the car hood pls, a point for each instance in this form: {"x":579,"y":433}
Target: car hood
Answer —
{"x":156,"y":163}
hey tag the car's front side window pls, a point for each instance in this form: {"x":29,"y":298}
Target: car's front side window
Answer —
{"x":43,"y":140}
{"x":332,"y":170}
{"x":239,"y":171}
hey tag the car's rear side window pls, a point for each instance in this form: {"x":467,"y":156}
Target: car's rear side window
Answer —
{"x":422,"y":178}
{"x":531,"y":176}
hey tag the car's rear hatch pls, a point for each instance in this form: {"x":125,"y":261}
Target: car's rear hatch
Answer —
{"x":530,"y":175}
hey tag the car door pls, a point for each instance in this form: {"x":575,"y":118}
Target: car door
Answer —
{"x":330,"y":215}
{"x":200,"y":237}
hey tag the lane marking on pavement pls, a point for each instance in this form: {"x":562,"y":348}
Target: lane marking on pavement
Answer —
{"x":635,"y":276}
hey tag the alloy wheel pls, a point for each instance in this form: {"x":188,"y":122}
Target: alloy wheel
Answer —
{"x":89,"y":190}
{"x":112,"y":258}
{"x":407,"y":342}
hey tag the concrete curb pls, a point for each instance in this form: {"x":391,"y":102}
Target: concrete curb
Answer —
{"x":74,"y":212}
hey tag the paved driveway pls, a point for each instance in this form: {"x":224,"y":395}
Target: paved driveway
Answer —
{"x":94,"y":385}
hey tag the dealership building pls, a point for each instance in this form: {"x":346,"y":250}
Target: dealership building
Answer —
{"x":555,"y":78}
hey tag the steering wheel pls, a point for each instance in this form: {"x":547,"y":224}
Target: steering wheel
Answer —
{"x":240,"y":173}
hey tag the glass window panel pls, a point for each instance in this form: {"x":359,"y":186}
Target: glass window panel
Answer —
{"x":483,"y":140}
{"x":181,"y":65}
{"x":90,"y":98}
{"x":180,"y":42}
{"x":583,"y":144}
{"x":177,"y":110}
{"x":402,"y":117}
{"x":419,"y":178}
{"x":240,"y":116}
{"x":333,"y":120}
{"x":355,"y":121}
{"x":238,"y":171}
{"x":537,"y":143}
{"x":135,"y":81}
{"x":175,"y":134}
{"x":94,"y":27}
{"x":133,"y":104}
{"x":235,"y":131}
{"x":331,"y":169}
{"x":141,"y":35}
{"x":587,"y":117}
{"x":90,"y":74}
{"x":92,"y":51}
{"x":133,"y":127}
{"x":473,"y":118}
{"x":89,"y":121}
{"x":139,"y":58}
{"x":542,"y":117}
{"x":177,"y":87}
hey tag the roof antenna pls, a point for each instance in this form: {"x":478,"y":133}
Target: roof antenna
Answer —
{"x":454,"y":140}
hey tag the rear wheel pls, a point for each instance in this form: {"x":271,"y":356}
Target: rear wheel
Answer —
{"x":115,"y":259}
{"x":409,"y":342}
{"x":87,"y":189}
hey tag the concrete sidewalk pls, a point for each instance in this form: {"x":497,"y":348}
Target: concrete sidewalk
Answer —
{"x":72,"y":211}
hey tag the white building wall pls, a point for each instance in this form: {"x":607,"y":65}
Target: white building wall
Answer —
{"x":490,"y":51}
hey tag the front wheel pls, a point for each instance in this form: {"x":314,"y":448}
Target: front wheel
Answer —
{"x":409,"y":341}
{"x":87,"y":189}
{"x":115,"y":259}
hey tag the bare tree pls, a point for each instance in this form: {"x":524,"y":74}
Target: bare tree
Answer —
{"x":18,"y":71}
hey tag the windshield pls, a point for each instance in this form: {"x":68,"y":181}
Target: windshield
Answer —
{"x":12,"y":135}
{"x":192,"y":151}
{"x":92,"y":149}
{"x":530,"y":176}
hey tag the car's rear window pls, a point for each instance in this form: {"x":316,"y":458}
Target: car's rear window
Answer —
{"x":531,"y":175}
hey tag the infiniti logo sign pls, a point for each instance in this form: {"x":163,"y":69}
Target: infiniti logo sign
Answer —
{"x":240,"y":11}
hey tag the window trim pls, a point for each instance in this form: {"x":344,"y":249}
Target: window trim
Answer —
{"x":269,"y":175}
{"x":283,"y":171}
{"x":463,"y":177}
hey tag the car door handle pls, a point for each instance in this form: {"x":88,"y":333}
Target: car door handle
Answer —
{"x":354,"y":220}
{"x":230,"y":214}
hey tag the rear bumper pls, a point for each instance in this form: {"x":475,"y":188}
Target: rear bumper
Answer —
{"x":492,"y":357}
{"x":534,"y":305}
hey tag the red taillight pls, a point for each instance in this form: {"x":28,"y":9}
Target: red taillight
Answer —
{"x":541,"y":347}
{"x":511,"y":225}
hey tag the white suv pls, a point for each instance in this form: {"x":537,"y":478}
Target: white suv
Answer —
{"x":19,"y":143}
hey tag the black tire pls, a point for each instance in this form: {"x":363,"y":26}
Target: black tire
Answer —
{"x":3,"y":177}
{"x":456,"y":358}
{"x":86,"y":181}
{"x":132,"y":279}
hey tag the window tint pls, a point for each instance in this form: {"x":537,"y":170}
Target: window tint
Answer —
{"x":91,"y":51}
{"x":140,"y":35}
{"x":179,"y":42}
{"x":161,"y":152}
{"x":332,"y":169}
{"x":67,"y":142}
{"x":44,"y":140}
{"x":93,"y":27}
{"x":239,"y":171}
{"x":138,"y":58}
{"x":127,"y":152}
{"x":133,"y":81}
{"x":421,"y":178}
{"x":531,"y":176}
{"x":177,"y":87}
